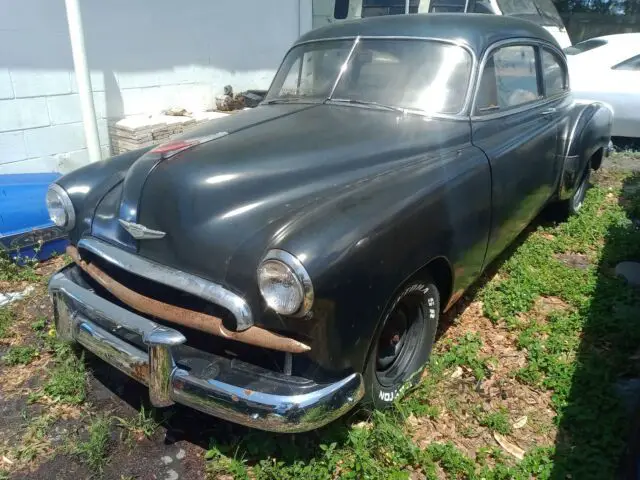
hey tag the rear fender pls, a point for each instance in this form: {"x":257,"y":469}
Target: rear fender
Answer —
{"x":588,"y":131}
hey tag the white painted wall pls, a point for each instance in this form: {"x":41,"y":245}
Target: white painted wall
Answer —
{"x":144,"y":56}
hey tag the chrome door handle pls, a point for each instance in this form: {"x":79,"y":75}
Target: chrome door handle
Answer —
{"x":548,"y":111}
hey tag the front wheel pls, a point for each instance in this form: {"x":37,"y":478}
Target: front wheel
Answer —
{"x":403,"y":343}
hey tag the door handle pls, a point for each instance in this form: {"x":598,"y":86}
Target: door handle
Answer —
{"x":548,"y":111}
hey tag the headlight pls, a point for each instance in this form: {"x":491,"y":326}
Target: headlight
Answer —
{"x":60,"y":207}
{"x":285,"y":284}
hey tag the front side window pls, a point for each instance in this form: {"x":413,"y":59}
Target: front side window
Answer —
{"x":508,"y":80}
{"x":424,"y":75}
{"x":554,"y":73}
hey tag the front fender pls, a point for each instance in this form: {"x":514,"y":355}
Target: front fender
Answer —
{"x":589,"y":131}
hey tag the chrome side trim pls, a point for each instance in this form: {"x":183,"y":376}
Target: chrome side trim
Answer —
{"x":303,"y":408}
{"x":171,"y":277}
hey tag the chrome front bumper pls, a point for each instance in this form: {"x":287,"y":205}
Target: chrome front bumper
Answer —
{"x":176,"y":373}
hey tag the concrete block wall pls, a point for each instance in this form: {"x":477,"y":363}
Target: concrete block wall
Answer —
{"x":144,"y":56}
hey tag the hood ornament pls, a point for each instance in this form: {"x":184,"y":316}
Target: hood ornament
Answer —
{"x":140,"y":232}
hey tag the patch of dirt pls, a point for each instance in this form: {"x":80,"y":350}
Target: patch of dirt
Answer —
{"x":462,"y":400}
{"x":575,"y":260}
{"x":544,"y":306}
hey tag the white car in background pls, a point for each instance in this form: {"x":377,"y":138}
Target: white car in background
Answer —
{"x":607,"y":69}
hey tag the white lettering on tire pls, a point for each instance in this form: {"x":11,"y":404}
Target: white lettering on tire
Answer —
{"x":387,"y":396}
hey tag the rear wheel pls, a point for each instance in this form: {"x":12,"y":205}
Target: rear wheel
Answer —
{"x":572,"y":205}
{"x":403,"y":343}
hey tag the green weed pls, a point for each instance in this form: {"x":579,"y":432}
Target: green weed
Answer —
{"x":143,"y":424}
{"x":94,"y":450}
{"x":67,"y":383}
{"x":496,"y":421}
{"x":6,"y":321}
{"x":20,"y":355}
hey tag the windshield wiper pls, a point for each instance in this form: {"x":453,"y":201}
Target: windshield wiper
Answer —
{"x":372,"y":104}
{"x":280,"y":100}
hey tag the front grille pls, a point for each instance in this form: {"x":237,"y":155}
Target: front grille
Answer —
{"x":205,"y":342}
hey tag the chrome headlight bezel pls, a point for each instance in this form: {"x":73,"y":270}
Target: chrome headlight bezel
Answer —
{"x":63,"y":197}
{"x":297,"y":269}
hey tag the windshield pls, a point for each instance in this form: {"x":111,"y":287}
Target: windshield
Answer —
{"x":542,"y":12}
{"x":424,"y":75}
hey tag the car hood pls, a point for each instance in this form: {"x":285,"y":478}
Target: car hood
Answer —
{"x":276,"y":164}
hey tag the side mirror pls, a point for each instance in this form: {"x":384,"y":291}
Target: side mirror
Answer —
{"x":341,"y":9}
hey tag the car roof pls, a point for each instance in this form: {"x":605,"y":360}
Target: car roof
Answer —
{"x":476,"y":30}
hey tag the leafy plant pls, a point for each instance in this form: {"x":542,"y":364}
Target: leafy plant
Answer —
{"x":94,"y":451}
{"x":20,"y":355}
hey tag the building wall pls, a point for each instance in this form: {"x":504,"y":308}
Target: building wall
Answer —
{"x":144,"y":56}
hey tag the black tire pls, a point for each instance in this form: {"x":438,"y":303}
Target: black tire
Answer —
{"x":403,"y":343}
{"x":572,"y":205}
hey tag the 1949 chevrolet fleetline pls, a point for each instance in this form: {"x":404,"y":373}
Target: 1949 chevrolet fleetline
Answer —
{"x":278,"y":266}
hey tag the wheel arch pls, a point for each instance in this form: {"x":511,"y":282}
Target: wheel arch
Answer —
{"x":439,"y":270}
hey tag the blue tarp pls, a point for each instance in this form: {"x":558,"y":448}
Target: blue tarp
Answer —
{"x":25,"y":227}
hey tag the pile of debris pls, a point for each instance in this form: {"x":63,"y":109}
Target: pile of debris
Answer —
{"x":139,"y":131}
{"x":247,"y":99}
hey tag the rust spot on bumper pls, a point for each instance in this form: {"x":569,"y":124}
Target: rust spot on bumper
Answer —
{"x":140,"y":372}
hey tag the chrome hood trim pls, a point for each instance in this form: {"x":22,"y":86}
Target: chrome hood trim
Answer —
{"x":171,"y":277}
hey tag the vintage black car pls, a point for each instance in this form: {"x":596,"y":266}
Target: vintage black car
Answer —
{"x":278,"y":266}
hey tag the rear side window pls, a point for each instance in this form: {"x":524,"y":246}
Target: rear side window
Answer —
{"x":632,"y":64}
{"x":554,"y":73}
{"x":585,"y":46}
{"x":509,"y":79}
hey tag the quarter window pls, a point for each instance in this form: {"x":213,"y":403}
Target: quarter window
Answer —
{"x":509,"y":79}
{"x":555,"y":75}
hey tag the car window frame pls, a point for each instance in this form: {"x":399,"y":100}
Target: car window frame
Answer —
{"x":534,"y":104}
{"x":462,"y":115}
{"x":563,"y":66}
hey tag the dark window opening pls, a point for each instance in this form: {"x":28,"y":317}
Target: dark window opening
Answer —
{"x":341,"y":9}
{"x":447,"y":6}
{"x":376,"y":8}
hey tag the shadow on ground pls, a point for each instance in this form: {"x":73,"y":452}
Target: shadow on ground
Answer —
{"x":601,"y":404}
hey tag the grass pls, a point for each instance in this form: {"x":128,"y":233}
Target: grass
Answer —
{"x":67,"y":381}
{"x":94,"y":450}
{"x":20,"y":355}
{"x":6,"y":321}
{"x":496,"y":421}
{"x":142,"y":425}
{"x":11,"y":271}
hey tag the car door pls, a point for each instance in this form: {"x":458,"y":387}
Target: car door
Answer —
{"x":517,"y":128}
